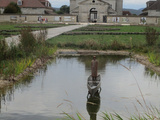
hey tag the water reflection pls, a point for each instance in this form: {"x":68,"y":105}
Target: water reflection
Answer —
{"x":46,"y":90}
{"x":103,"y":61}
{"x":152,"y":74}
{"x":7,"y":94}
{"x":93,"y":105}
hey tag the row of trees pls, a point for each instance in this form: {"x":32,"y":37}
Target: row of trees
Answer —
{"x":14,"y":8}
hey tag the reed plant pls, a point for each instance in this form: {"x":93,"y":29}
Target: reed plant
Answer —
{"x":15,"y":67}
{"x":15,"y":59}
{"x":151,"y":36}
{"x":154,"y":58}
{"x":3,"y":49}
{"x":27,"y":40}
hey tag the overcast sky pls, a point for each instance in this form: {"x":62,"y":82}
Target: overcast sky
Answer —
{"x":133,"y":4}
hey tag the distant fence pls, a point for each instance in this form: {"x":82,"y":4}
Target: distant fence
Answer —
{"x":38,"y":18}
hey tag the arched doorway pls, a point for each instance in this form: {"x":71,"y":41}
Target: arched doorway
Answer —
{"x":93,"y":15}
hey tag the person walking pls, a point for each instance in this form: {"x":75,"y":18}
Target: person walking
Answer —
{"x":94,"y":67}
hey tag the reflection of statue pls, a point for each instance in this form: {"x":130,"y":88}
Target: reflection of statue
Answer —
{"x":93,"y":106}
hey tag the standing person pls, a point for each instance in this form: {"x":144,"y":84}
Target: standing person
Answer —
{"x":94,"y":67}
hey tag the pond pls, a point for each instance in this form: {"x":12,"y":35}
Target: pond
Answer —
{"x":62,"y":87}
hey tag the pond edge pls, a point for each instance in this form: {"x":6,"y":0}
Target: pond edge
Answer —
{"x":39,"y":63}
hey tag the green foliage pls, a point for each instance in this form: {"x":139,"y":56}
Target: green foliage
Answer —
{"x":64,"y":9}
{"x":15,"y":67}
{"x":116,"y":45}
{"x":15,"y":59}
{"x":12,"y":8}
{"x":151,"y":36}
{"x":27,"y":40}
{"x":154,"y":58}
{"x":59,"y":12}
{"x":3,"y":49}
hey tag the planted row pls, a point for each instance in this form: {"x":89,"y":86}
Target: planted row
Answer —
{"x":99,"y":29}
{"x":107,"y":33}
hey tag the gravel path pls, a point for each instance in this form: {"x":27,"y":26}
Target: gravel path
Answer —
{"x":52,"y":32}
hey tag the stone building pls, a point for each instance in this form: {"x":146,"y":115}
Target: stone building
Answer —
{"x":95,"y":10}
{"x":29,"y":6}
{"x":152,"y":9}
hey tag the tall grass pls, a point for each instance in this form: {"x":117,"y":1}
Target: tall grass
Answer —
{"x":151,"y":36}
{"x":15,"y":67}
{"x":15,"y":59}
{"x":154,"y":58}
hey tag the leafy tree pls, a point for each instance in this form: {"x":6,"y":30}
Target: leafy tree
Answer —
{"x":63,"y":9}
{"x":12,"y":8}
{"x":59,"y":12}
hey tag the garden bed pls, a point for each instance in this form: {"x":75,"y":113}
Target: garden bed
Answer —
{"x":99,"y":29}
{"x":106,"y":33}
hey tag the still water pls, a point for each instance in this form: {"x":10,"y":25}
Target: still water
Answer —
{"x":62,"y":87}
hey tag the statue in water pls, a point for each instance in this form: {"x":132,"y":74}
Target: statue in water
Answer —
{"x":94,"y":67}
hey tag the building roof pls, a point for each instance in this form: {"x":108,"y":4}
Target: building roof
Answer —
{"x":25,"y":4}
{"x":126,"y":13}
{"x":155,"y":5}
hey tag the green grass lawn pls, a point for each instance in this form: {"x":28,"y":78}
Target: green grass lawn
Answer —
{"x":12,"y":26}
{"x":101,"y":39}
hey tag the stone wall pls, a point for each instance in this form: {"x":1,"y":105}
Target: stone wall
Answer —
{"x":33,"y":10}
{"x":153,"y":13}
{"x":35,"y":18}
{"x":133,"y":20}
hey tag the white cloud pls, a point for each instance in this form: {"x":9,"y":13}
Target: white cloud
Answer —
{"x":126,"y":3}
{"x":59,"y":3}
{"x":138,"y":2}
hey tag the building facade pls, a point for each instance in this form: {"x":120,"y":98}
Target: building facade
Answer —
{"x":152,"y":8}
{"x":29,"y":6}
{"x":95,"y":10}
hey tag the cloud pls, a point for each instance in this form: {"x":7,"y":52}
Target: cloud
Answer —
{"x":126,"y":3}
{"x":135,"y":2}
{"x":59,"y":3}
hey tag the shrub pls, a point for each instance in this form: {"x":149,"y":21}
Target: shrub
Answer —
{"x":151,"y":36}
{"x":3,"y":49}
{"x":89,"y":44}
{"x":27,"y":40}
{"x":41,"y":37}
{"x":116,"y":46}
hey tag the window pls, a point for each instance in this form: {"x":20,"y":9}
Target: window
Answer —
{"x":19,"y":2}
